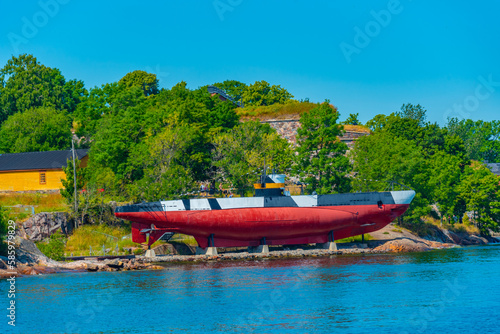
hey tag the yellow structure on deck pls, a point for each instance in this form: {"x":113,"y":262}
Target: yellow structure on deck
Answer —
{"x":36,"y":171}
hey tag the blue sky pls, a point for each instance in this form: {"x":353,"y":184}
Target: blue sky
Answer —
{"x":366,"y":57}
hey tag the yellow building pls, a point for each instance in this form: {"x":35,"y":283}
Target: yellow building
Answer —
{"x":36,"y":171}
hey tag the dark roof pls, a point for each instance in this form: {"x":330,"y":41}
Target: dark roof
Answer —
{"x":38,"y":160}
{"x":495,"y":168}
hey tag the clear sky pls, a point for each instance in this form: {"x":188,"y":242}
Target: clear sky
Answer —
{"x":366,"y":57}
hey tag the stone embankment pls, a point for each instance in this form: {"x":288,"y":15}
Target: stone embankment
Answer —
{"x":30,"y":261}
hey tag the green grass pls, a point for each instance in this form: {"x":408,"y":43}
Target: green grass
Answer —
{"x":355,"y":239}
{"x":96,"y":236}
{"x":41,"y":202}
{"x":356,"y":128}
{"x":184,"y":239}
{"x":293,"y":108}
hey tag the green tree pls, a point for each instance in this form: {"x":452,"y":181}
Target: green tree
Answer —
{"x":481,"y":139}
{"x":382,"y":158}
{"x":377,"y":123}
{"x":321,"y":155}
{"x":25,"y":84}
{"x":74,"y":93}
{"x":36,"y":129}
{"x":240,"y":153}
{"x":232,"y":88}
{"x":262,"y":93}
{"x":118,"y":132}
{"x":383,"y":161}
{"x":491,"y":149}
{"x":167,"y":165}
{"x":415,"y":112}
{"x":93,"y":108}
{"x":147,"y":82}
{"x":444,"y":178}
{"x":406,"y":125}
{"x":352,"y":119}
{"x":129,"y":125}
{"x":480,"y":190}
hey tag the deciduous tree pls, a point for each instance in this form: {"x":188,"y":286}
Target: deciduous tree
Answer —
{"x":480,"y":190}
{"x":353,"y":119}
{"x":262,"y":93}
{"x":232,"y":88}
{"x":240,"y":154}
{"x":147,"y":82}
{"x":321,"y":154}
{"x":36,"y":129}
{"x":384,"y":162}
{"x":26,"y":84}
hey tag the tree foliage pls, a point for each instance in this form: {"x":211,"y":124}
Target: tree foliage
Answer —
{"x":68,"y":183}
{"x":232,"y":88}
{"x":353,"y":119}
{"x":442,"y":172}
{"x":481,"y":139}
{"x":321,"y":155}
{"x":414,"y":112}
{"x":261,"y":93}
{"x":54,"y":247}
{"x":480,"y":190}
{"x":134,"y":131}
{"x":167,"y":167}
{"x":36,"y":129}
{"x":147,"y":82}
{"x":240,"y":154}
{"x":27,"y":84}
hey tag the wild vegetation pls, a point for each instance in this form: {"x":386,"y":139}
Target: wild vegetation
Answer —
{"x":405,"y":149}
{"x":148,"y":143}
{"x":99,"y":239}
{"x":54,"y":246}
{"x":3,"y":232}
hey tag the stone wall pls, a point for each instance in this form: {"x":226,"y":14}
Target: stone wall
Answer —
{"x":287,"y":129}
{"x":44,"y":224}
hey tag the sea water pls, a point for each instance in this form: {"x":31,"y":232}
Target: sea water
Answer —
{"x":446,"y":291}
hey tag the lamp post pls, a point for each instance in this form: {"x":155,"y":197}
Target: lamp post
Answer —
{"x":74,"y":178}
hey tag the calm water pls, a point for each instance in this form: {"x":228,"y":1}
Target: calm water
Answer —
{"x":448,"y":291}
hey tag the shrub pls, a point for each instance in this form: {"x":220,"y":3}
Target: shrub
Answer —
{"x":54,"y":248}
{"x":3,"y":232}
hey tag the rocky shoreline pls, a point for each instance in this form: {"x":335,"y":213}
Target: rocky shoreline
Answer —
{"x":30,"y":261}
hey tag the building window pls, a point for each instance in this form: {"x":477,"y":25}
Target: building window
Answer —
{"x":43,"y":179}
